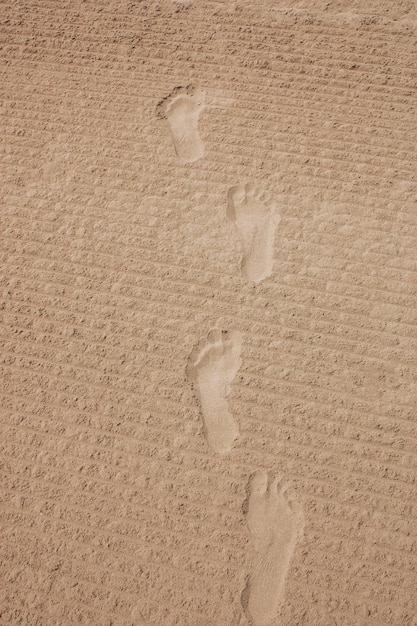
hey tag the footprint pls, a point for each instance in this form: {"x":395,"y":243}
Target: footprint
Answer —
{"x":256,"y":219}
{"x":182,"y":109}
{"x":276,"y":522}
{"x":212,"y":366}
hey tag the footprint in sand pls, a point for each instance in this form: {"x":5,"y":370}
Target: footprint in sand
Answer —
{"x":182,"y":109}
{"x":255,"y":216}
{"x":212,"y":366}
{"x":275,"y":520}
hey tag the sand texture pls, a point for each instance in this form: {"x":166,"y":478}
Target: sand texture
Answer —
{"x":208,"y":265}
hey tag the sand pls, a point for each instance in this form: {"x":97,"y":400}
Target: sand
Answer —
{"x":209,"y":320}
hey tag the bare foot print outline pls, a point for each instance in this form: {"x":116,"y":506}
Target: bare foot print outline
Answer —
{"x":255,"y":216}
{"x":276,"y":523}
{"x":212,"y":366}
{"x":182,"y":110}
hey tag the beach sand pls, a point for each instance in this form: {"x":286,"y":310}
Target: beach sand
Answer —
{"x":209,"y":320}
